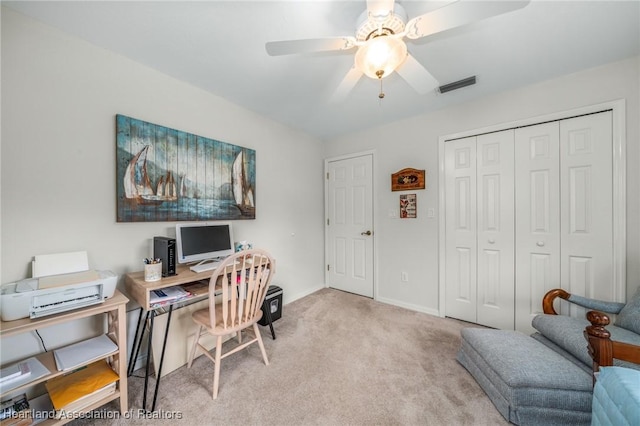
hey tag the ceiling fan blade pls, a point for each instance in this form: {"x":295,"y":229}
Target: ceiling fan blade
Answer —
{"x":458,"y":14}
{"x":289,"y":47}
{"x":417,"y":76}
{"x":347,"y":84}
{"x":379,"y":10}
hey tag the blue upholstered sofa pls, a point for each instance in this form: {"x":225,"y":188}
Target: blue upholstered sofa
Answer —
{"x":547,"y":378}
{"x":565,"y":334}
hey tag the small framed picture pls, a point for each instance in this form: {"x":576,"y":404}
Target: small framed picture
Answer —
{"x":408,"y":207}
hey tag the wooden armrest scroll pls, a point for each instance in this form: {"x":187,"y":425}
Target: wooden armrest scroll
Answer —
{"x":547,"y":300}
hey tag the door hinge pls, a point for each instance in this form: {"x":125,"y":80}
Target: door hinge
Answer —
{"x":327,"y":175}
{"x":327,"y":222}
{"x":328,"y":267}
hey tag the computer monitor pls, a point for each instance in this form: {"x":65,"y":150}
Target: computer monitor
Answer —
{"x":203,"y":241}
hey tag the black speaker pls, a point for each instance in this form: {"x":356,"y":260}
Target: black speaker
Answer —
{"x":164,"y":248}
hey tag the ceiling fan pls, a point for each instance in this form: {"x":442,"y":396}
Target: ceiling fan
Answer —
{"x":380,"y":35}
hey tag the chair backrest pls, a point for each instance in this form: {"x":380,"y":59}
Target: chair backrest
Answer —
{"x":243,"y":280}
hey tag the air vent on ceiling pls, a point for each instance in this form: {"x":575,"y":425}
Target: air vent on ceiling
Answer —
{"x":457,"y":84}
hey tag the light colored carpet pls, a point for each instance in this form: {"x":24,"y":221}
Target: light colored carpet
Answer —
{"x":339,"y":359}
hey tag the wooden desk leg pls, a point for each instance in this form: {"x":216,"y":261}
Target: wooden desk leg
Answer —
{"x":122,"y":357}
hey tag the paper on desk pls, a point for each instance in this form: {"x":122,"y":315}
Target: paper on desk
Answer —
{"x":166,"y":294}
{"x":37,"y":370}
{"x":59,"y":263}
{"x":83,"y":352}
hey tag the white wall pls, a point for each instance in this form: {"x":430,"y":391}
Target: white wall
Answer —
{"x":60,"y":96}
{"x":412,"y":244}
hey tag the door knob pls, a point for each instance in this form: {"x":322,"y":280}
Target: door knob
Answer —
{"x":492,"y":241}
{"x":540,"y":243}
{"x":366,"y":233}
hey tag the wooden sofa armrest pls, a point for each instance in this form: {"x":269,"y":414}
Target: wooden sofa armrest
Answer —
{"x":550,"y":296}
{"x":601,"y":348}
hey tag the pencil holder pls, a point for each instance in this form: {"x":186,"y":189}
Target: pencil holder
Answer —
{"x":153,"y":271}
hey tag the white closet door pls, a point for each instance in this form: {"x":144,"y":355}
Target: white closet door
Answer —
{"x":461,"y":251}
{"x":537,"y":176}
{"x":495,"y":210}
{"x":587,"y":206}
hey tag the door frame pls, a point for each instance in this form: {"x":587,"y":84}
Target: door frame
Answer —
{"x":374,"y":202}
{"x":619,"y":135}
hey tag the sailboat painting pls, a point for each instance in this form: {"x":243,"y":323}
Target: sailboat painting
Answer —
{"x":164,"y":174}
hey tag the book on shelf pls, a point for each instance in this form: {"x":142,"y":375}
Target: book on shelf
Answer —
{"x":167,"y":295}
{"x":36,"y":371}
{"x":15,"y":411}
{"x":14,"y":372}
{"x":74,"y":355}
{"x":83,"y":387}
{"x":40,"y":407}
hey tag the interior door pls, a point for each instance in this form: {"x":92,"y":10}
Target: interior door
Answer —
{"x":350,"y":225}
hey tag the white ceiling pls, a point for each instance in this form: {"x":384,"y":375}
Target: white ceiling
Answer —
{"x":219,"y":46}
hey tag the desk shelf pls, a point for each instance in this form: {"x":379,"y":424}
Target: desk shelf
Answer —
{"x":139,"y":289}
{"x":114,"y":308}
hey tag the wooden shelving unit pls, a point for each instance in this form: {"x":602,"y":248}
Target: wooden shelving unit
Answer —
{"x":114,"y":308}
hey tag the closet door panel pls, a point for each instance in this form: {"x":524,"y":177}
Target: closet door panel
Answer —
{"x":461,"y":249}
{"x":586,"y":160}
{"x":495,"y":210}
{"x":537,"y":205}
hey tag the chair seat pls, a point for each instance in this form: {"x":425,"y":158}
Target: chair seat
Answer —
{"x":202,"y":317}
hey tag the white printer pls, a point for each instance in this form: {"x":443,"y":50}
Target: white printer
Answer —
{"x":73,"y":286}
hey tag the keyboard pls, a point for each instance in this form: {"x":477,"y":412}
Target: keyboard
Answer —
{"x":202,"y":267}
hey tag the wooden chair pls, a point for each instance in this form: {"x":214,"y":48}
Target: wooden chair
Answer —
{"x":243,"y":279}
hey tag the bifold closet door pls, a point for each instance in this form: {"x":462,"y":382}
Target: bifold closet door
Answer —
{"x":564,"y":213}
{"x":460,"y":228}
{"x":480,"y":229}
{"x":537,"y":176}
{"x":586,"y":211}
{"x":495,"y":212}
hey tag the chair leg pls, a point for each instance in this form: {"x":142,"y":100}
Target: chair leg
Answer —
{"x":259,"y":337}
{"x":192,"y":353}
{"x":216,"y":374}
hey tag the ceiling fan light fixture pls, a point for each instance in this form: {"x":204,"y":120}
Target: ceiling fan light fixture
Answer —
{"x":380,"y":56}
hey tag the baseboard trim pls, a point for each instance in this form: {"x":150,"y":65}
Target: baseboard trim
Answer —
{"x":409,"y":306}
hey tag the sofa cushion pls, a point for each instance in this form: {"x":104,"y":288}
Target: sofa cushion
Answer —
{"x":629,"y":316}
{"x":567,"y":332}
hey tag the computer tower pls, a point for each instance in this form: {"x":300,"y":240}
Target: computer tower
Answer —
{"x":164,"y":248}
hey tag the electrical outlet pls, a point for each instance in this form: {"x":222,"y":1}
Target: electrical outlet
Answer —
{"x":404,"y":277}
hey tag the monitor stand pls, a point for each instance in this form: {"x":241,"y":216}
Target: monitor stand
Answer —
{"x":207,"y":264}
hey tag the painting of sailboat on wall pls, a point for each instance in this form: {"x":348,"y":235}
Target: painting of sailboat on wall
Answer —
{"x":169,"y":175}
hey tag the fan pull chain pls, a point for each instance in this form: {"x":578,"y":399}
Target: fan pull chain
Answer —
{"x":379,"y":74}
